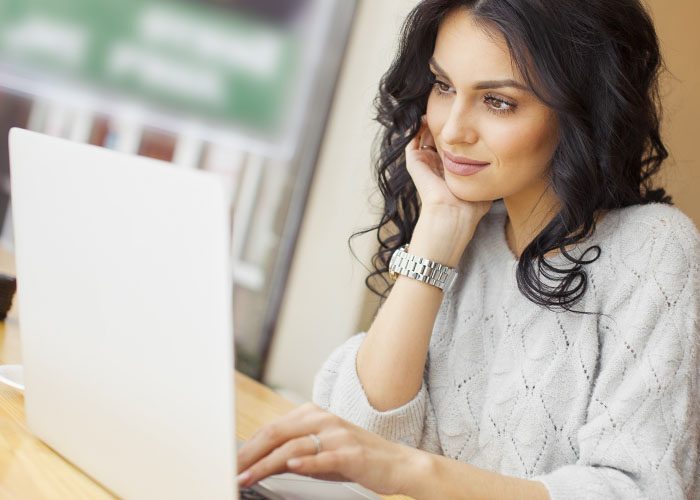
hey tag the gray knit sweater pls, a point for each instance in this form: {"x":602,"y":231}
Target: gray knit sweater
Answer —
{"x":597,"y":406}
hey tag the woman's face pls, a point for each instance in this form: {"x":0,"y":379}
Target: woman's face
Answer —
{"x":480,"y":109}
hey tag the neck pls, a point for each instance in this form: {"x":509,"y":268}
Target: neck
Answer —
{"x":529,"y":211}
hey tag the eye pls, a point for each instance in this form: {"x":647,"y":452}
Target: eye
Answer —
{"x":441,"y":88}
{"x":498,"y":104}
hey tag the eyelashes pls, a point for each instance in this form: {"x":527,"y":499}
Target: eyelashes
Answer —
{"x":494,"y":103}
{"x":441,"y":88}
{"x":499,"y":105}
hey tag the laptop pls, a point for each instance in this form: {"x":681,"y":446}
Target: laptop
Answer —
{"x":125,"y":304}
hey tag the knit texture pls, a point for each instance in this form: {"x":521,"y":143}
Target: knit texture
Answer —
{"x":597,"y":406}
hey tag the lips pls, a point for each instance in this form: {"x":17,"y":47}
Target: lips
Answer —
{"x":460,"y":165}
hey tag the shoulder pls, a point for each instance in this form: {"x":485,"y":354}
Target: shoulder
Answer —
{"x":654,"y":215}
{"x":647,"y":282}
{"x":646,"y":231}
{"x":650,"y":251}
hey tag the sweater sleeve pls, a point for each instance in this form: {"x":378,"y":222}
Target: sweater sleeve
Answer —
{"x":641,"y":437}
{"x":337,"y":388}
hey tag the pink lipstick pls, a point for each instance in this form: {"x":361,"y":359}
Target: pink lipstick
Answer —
{"x":460,"y":165}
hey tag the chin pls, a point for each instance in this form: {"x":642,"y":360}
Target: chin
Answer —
{"x":467,"y":190}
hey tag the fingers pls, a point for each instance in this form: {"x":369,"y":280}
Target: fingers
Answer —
{"x":424,"y":166}
{"x":276,"y":462}
{"x":270,"y":452}
{"x":324,"y":464}
{"x":421,"y":156}
{"x":421,"y":138}
{"x":414,"y":144}
{"x":307,"y":419}
{"x":426,"y":138}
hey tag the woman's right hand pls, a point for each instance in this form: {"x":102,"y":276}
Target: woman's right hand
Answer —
{"x":446,"y":223}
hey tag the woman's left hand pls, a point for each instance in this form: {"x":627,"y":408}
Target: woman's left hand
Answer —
{"x":347,"y":452}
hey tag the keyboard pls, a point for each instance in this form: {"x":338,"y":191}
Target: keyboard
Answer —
{"x":250,"y":494}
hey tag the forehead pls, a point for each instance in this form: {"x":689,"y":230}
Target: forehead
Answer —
{"x":468,"y":50}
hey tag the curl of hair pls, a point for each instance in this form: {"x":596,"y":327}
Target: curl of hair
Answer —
{"x":596,"y":65}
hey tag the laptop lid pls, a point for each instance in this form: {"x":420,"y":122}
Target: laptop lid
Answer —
{"x":125,"y":309}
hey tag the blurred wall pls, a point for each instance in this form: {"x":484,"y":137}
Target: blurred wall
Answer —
{"x":676,"y":23}
{"x":326,"y":300}
{"x":326,"y":293}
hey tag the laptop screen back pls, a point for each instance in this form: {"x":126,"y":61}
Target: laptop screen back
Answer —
{"x":125,"y":310}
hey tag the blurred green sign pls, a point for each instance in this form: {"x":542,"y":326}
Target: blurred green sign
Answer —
{"x":207,"y":61}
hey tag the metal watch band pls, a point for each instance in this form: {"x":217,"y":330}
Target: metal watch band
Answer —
{"x":421,"y":269}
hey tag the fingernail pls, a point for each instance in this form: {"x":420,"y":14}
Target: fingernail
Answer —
{"x":293,"y":463}
{"x":243,"y":477}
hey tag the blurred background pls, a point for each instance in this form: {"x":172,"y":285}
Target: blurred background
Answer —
{"x":275,"y":96}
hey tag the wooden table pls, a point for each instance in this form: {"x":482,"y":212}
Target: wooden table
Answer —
{"x":31,"y":470}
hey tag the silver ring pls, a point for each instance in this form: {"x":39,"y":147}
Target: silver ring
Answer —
{"x":317,"y":442}
{"x":428,"y":147}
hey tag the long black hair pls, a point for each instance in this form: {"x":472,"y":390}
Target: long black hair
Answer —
{"x":596,"y":65}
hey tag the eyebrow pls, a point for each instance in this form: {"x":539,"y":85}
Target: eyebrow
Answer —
{"x":487,"y":84}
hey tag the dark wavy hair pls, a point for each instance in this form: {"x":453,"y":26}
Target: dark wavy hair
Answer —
{"x":596,"y":65}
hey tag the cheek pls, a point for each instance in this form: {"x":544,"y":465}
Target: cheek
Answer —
{"x":521,"y":146}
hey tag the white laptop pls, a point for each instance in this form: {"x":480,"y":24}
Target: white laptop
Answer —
{"x":124,"y":293}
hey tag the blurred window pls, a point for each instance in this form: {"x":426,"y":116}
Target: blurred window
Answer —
{"x":241,"y":88}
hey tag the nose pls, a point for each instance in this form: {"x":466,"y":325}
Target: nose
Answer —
{"x":459,"y":127}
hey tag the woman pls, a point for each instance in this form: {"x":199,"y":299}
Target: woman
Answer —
{"x":520,"y":138}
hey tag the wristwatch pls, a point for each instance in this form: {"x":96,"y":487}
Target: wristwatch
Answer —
{"x":421,"y":269}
